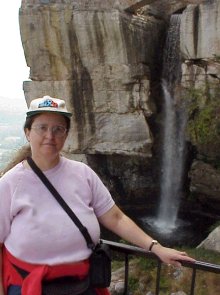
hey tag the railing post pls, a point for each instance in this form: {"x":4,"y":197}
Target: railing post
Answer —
{"x":157,"y":290}
{"x":193,"y":281}
{"x":126,"y":275}
{"x":132,"y":250}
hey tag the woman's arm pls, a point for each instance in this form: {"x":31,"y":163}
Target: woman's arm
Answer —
{"x":1,"y":283}
{"x":119,"y":223}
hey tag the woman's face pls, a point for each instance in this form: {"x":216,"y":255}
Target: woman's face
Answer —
{"x":47,"y":135}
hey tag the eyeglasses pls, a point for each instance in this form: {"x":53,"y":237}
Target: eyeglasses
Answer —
{"x":57,"y":131}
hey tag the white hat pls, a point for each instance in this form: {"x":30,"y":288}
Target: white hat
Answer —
{"x":48,"y":104}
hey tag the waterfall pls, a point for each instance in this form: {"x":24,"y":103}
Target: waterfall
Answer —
{"x":172,"y":57}
{"x":173,"y":132}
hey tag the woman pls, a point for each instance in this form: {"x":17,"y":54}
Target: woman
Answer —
{"x":36,"y":234}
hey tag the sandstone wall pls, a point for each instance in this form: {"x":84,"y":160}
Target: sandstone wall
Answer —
{"x":200,"y":30}
{"x":200,"y":47}
{"x":100,"y":62}
{"x":105,"y":58}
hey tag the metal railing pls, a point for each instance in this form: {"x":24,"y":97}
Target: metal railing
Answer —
{"x":128,"y":250}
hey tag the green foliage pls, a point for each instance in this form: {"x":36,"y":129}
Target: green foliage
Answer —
{"x":133,"y":283}
{"x":142,"y":275}
{"x":165,"y":285}
{"x":203,"y":115}
{"x":202,"y":254}
{"x":206,"y":255}
{"x":146,"y":264}
{"x":216,"y":57}
{"x":116,"y":264}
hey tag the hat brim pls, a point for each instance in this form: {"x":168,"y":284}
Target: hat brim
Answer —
{"x":32,"y":113}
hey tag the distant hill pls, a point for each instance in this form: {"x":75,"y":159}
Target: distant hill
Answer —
{"x":12,"y":105}
{"x":12,"y":119}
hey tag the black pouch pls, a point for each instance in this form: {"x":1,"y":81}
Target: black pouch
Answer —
{"x":100,"y":266}
{"x":65,"y":286}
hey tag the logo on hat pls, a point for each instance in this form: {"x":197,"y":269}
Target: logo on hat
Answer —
{"x":48,"y":103}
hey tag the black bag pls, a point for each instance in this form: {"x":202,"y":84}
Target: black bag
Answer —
{"x":100,"y":260}
{"x":65,"y":286}
{"x":100,"y":266}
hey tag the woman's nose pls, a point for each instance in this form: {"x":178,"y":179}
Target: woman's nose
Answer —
{"x":50,"y":132}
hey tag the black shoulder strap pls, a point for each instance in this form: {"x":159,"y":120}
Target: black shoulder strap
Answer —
{"x":62,"y":203}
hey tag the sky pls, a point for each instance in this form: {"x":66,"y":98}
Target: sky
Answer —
{"x":13,"y":68}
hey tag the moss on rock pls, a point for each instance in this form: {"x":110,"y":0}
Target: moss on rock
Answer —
{"x":203,"y":126}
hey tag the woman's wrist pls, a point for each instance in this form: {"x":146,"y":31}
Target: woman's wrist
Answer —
{"x":154,"y":246}
{"x":157,"y":249}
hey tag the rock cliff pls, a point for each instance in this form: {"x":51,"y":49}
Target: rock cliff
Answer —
{"x":105,"y":59}
{"x":200,"y":47}
{"x":99,"y":59}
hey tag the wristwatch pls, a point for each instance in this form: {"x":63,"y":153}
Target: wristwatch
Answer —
{"x":153,"y":242}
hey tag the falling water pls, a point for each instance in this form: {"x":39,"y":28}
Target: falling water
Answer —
{"x":167,"y":226}
{"x":173,"y":135}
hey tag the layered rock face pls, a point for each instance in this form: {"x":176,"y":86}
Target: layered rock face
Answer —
{"x":200,"y":31}
{"x":99,"y":60}
{"x":200,"y":47}
{"x":105,"y":58}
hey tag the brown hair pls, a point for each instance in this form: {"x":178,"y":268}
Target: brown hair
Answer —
{"x":29,"y":121}
{"x":25,"y":151}
{"x":20,"y":155}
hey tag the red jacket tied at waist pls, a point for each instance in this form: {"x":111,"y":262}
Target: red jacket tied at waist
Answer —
{"x":32,"y":283}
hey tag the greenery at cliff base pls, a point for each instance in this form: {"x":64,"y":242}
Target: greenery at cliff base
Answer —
{"x":143,"y":271}
{"x":204,"y":114}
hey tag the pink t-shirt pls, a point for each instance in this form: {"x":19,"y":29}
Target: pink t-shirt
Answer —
{"x":34,"y":227}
